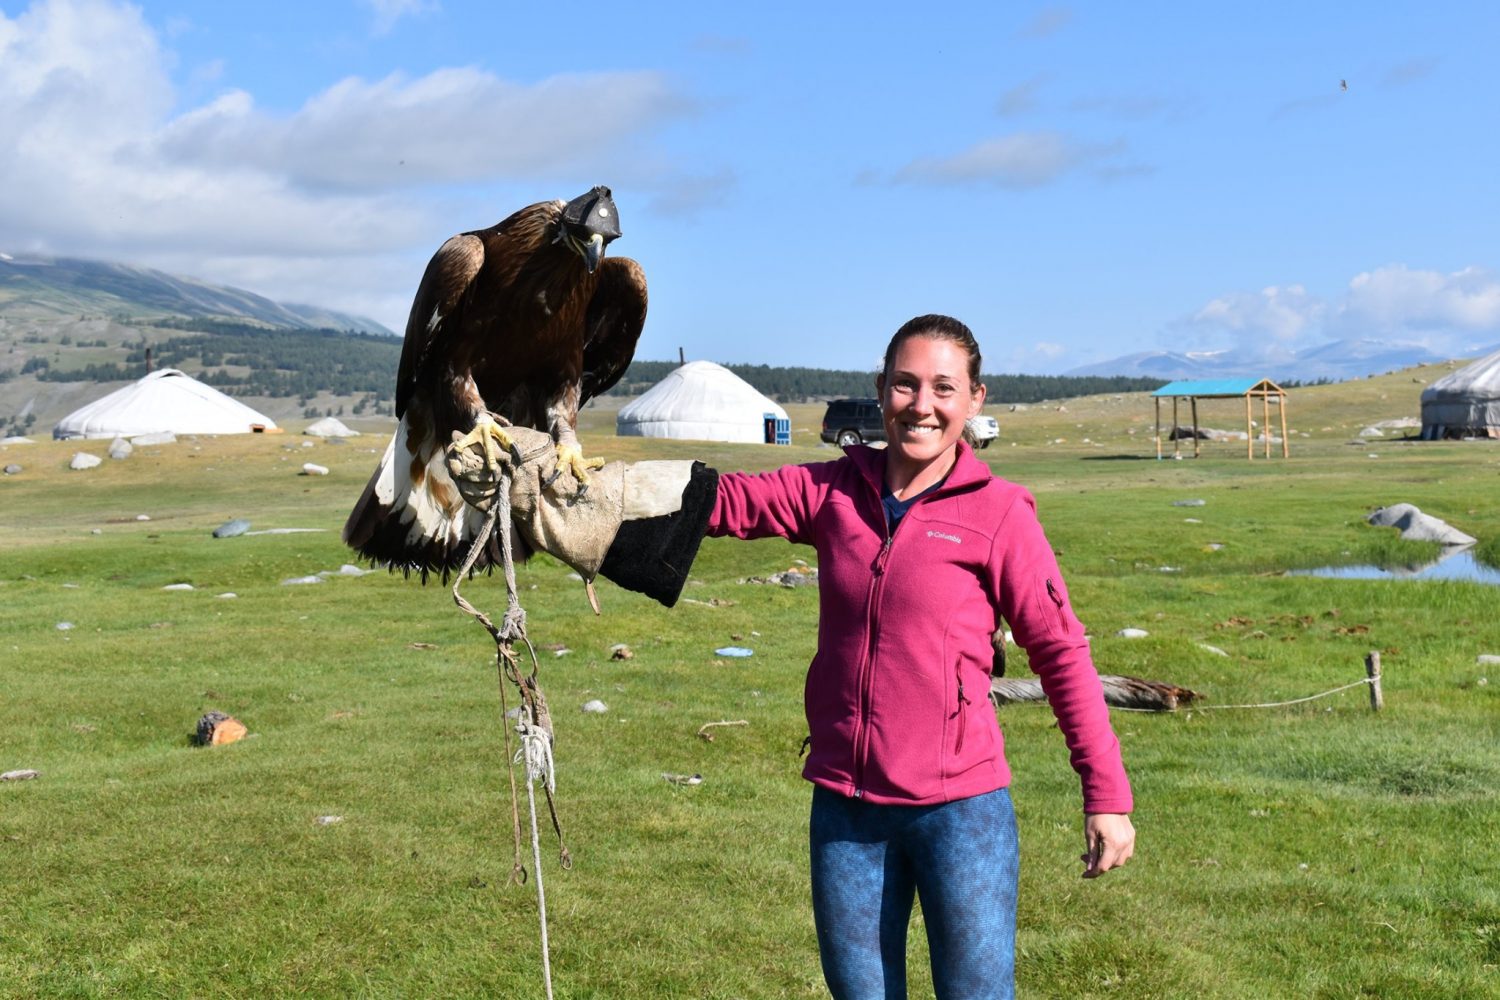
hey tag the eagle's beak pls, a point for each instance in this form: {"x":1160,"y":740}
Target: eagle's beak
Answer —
{"x":593,"y":252}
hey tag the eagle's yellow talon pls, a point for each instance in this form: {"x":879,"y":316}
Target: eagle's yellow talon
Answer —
{"x":492,"y":440}
{"x":570,"y":457}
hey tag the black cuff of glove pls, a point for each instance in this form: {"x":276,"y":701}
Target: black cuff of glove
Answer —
{"x":652,"y":555}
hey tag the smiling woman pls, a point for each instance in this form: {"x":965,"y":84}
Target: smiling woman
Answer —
{"x":929,"y":390}
{"x":905,"y":754}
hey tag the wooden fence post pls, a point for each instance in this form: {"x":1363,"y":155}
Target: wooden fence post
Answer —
{"x":1372,"y":670}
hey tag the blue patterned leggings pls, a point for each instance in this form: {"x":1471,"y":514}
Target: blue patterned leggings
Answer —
{"x":868,"y":861}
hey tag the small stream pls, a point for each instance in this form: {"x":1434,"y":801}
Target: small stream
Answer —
{"x":1458,"y":564}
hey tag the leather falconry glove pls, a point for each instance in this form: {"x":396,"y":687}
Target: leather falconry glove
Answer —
{"x":638,"y":524}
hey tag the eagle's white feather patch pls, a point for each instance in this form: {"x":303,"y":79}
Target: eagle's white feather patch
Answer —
{"x":418,"y":506}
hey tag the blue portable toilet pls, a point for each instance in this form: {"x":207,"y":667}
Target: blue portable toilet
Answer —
{"x":778,"y":429}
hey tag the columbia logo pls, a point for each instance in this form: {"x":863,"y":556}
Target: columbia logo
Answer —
{"x":945,"y":537}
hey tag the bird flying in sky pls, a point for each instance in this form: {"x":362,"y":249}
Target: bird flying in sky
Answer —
{"x":526,"y":320}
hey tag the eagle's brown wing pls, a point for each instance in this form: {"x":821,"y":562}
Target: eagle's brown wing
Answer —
{"x":439,"y":297}
{"x":616,"y":314}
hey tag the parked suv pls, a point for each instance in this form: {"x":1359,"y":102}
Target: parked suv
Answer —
{"x":984,"y":430}
{"x":853,"y":421}
{"x":858,"y":421}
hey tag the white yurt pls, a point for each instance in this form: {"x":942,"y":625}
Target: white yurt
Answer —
{"x":1465,"y":403}
{"x":164,"y":401}
{"x":702,"y":401}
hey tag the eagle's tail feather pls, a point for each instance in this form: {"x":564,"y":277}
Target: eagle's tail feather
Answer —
{"x":411,"y":517}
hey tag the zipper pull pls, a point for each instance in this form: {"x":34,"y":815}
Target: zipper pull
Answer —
{"x":885,"y":552}
{"x":962,"y":700}
{"x":806,"y":741}
{"x":1052,"y":593}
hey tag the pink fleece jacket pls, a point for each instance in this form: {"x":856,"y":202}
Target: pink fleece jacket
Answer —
{"x":897,"y":695}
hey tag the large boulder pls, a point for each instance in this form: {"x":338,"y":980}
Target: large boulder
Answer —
{"x":330,"y":427}
{"x":1417,"y":526}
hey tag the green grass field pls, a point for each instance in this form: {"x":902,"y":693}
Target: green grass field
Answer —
{"x":1317,"y":850}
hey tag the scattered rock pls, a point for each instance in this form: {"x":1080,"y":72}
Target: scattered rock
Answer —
{"x":229,"y":529}
{"x":734,"y":651}
{"x":143,"y":517}
{"x":120,"y":448}
{"x":161,"y":437}
{"x":16,"y":440}
{"x":794,"y":577}
{"x":13,"y":469}
{"x":1191,"y":520}
{"x":312,"y":469}
{"x":1189,"y":503}
{"x":1417,"y":526}
{"x":64,"y":626}
{"x":595,"y":707}
{"x":216,"y":729}
{"x":299,"y":580}
{"x":348,"y":569}
{"x":329,"y":427}
{"x":620,"y":651}
{"x":227,"y":595}
{"x":1211,"y":649}
{"x":178,"y":586}
{"x":682,"y":779}
{"x":328,"y":820}
{"x":1132,"y":633}
{"x":1371,"y":432}
{"x":26,"y":774}
{"x":83,"y":460}
{"x":1487,"y":659}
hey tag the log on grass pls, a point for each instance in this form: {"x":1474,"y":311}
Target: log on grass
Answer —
{"x":1121,"y":692}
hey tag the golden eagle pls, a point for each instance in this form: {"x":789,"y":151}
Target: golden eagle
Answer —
{"x":526,"y":320}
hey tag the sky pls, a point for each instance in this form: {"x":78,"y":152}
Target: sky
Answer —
{"x":1076,"y":182}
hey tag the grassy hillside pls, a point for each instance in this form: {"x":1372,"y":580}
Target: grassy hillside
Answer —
{"x":1315,"y":850}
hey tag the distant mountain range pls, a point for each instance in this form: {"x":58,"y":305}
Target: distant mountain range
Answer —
{"x":62,"y":285}
{"x":1336,"y":360}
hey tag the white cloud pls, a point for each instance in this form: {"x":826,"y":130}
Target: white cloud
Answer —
{"x":1282,"y":314}
{"x":96,"y":162}
{"x":1395,"y":299}
{"x":1408,"y":72}
{"x":1394,"y":302}
{"x":1021,"y":98}
{"x":1018,"y":160}
{"x":1047,"y":22}
{"x":452,"y":125}
{"x":691,"y":195}
{"x":388,"y":12}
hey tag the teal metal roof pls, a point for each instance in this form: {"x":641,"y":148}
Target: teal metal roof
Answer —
{"x":1209,"y":387}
